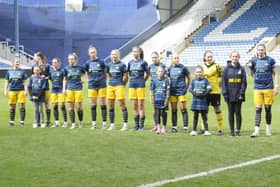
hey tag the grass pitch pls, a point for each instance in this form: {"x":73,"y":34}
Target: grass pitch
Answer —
{"x":82,"y":157}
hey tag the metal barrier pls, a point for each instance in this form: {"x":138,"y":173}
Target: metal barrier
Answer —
{"x":8,"y":52}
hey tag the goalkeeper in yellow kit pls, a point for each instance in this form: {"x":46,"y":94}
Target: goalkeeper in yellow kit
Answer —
{"x":213,"y":72}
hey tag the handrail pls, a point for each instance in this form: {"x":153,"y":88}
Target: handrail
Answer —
{"x":8,"y":52}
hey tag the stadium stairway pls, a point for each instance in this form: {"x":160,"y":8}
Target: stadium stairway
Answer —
{"x":177,"y":29}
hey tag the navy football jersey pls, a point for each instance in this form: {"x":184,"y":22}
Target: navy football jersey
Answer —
{"x":263,"y":72}
{"x":116,"y":72}
{"x":153,"y":70}
{"x":56,"y":77}
{"x":200,"y":87}
{"x":178,"y":84}
{"x":16,"y":78}
{"x":160,"y":89}
{"x":37,"y":87}
{"x":73,"y":75}
{"x":96,"y":74}
{"x":137,"y":70}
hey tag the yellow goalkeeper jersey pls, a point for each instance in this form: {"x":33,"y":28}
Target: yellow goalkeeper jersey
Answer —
{"x":213,"y":72}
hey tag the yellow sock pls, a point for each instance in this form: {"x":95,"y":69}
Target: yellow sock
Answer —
{"x":201,"y":122}
{"x":220,"y":120}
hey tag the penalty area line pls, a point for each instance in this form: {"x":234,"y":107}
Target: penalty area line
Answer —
{"x":212,"y":171}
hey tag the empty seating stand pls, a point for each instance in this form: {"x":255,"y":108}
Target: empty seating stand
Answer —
{"x":242,"y":30}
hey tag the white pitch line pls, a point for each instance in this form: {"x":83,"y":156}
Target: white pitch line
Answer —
{"x":212,"y":171}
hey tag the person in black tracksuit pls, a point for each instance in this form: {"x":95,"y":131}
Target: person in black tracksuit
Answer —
{"x":234,"y":84}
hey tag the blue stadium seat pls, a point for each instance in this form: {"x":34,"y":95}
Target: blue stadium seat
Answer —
{"x":262,"y":14}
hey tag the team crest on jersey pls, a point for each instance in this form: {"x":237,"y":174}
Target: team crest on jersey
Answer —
{"x":266,"y":64}
{"x":239,"y":72}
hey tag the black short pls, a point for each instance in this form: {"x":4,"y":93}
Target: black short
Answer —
{"x":214,"y":99}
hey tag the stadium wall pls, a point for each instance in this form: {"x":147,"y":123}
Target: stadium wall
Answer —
{"x":49,"y":29}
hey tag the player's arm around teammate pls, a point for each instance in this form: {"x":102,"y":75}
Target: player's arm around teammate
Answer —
{"x":96,"y":75}
{"x":73,"y":87}
{"x":180,"y":80}
{"x":117,"y":73}
{"x":138,"y":74}
{"x":57,"y":95}
{"x":15,"y":88}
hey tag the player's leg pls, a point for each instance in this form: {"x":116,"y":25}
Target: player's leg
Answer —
{"x":111,"y":104}
{"x":111,"y":95}
{"x":132,"y":95}
{"x":268,"y":118}
{"x":55,"y":114}
{"x":72,"y":114}
{"x":54,"y":101}
{"x":120,"y":95}
{"x":22,"y":112}
{"x":61,"y":103}
{"x":238,"y":117}
{"x":103,"y":106}
{"x":125,"y":114}
{"x":268,"y":101}
{"x":259,"y":101}
{"x":183,"y":107}
{"x":219,"y":117}
{"x":22,"y":101}
{"x":41,"y":114}
{"x":12,"y":114}
{"x":92,"y":94}
{"x":47,"y":107}
{"x":71,"y":107}
{"x":174,"y":103}
{"x":231,"y":111}
{"x":141,"y":94}
{"x":195,"y":121}
{"x":154,"y":117}
{"x":141,"y":104}
{"x":135,"y":114}
{"x":12,"y":101}
{"x":216,"y":102}
{"x":208,"y":98}
{"x":157,"y":119}
{"x":164,"y":121}
{"x":78,"y":99}
{"x":204,"y":119}
{"x":36,"y":114}
{"x":79,"y":107}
